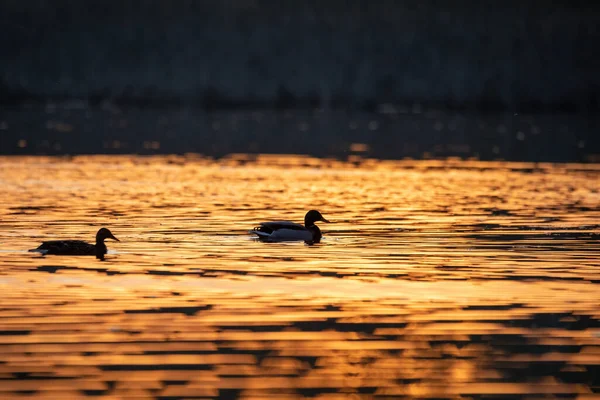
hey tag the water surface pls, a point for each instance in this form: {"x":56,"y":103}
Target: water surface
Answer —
{"x":435,"y":279}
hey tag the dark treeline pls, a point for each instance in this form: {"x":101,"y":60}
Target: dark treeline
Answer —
{"x":516,"y":80}
{"x":513,"y":55}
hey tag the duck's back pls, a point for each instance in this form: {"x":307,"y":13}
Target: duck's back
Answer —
{"x":66,"y":247}
{"x":277,"y":225}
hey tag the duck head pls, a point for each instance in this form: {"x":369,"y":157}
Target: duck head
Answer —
{"x":313,"y":216}
{"x":104,"y":233}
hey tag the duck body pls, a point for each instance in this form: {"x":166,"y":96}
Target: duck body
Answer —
{"x":281,"y":231}
{"x":67,"y":247}
{"x":77,"y":247}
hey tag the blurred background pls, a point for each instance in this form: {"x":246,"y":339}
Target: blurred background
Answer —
{"x":519,"y":80}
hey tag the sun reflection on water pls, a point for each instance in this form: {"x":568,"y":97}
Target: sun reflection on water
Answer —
{"x":435,"y":279}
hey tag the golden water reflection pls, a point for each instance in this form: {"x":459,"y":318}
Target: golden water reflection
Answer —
{"x":436,"y":279}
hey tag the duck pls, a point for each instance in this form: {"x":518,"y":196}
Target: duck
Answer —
{"x":280,"y":231}
{"x":77,"y":247}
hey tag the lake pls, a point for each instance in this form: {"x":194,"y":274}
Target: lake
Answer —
{"x":435,"y":279}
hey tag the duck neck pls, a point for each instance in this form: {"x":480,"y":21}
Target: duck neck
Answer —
{"x":100,"y":249}
{"x":316,"y":233}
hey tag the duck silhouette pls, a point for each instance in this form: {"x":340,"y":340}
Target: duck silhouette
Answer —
{"x":77,"y":247}
{"x":280,"y":231}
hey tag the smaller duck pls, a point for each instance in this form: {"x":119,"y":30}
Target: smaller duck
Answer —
{"x":77,"y":247}
{"x":280,"y":231}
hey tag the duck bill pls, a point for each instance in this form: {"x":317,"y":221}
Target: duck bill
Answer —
{"x":325,"y":220}
{"x":114,"y":238}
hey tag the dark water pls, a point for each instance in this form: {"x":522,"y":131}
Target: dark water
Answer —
{"x":389,"y":131}
{"x":435,"y":279}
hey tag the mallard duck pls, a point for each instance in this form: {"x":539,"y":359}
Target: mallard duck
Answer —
{"x":77,"y":247}
{"x":279,"y":231}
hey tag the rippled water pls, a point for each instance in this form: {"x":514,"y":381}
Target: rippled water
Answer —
{"x":435,"y":279}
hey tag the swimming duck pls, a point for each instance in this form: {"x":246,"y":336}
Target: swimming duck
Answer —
{"x":77,"y":247}
{"x":279,"y":231}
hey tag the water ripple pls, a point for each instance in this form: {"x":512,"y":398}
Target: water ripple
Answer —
{"x":436,"y":279}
